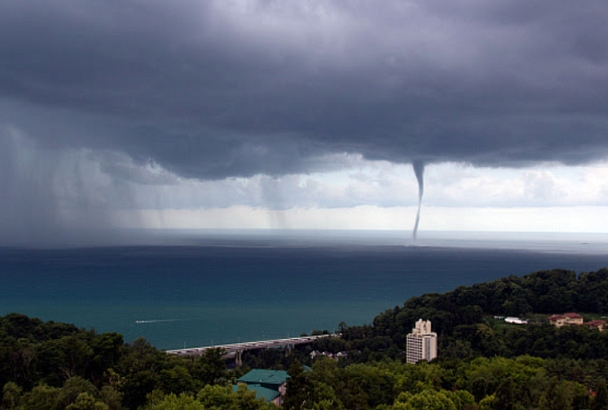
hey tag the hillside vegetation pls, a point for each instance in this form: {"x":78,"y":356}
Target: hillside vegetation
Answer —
{"x":483,"y":363}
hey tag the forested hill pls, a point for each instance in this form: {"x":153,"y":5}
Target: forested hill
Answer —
{"x":463,"y":318}
{"x":483,"y":363}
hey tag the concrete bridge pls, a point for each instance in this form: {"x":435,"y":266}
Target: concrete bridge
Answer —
{"x":236,"y":349}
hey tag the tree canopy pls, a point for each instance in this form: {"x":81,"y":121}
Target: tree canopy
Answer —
{"x":483,"y":362}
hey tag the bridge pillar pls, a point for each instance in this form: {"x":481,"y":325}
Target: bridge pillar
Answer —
{"x":238,"y":354}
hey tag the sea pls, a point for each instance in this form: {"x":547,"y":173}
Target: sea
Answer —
{"x":183,"y":289}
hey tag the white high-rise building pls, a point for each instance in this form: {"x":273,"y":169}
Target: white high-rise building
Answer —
{"x":421,"y":343}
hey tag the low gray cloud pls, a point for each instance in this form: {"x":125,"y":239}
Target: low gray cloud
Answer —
{"x":216,"y":89}
{"x":46,"y":195}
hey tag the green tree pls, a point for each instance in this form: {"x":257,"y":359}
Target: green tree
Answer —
{"x":223,"y":398}
{"x":41,"y":397}
{"x":177,"y":380}
{"x":107,"y":349}
{"x":247,"y":400}
{"x":137,"y":386}
{"x":505,"y":395}
{"x":111,"y":397}
{"x":298,"y":387}
{"x":558,"y":397}
{"x":462,"y":399}
{"x":600,"y":402}
{"x":181,"y":402}
{"x":72,"y":389}
{"x":487,"y":403}
{"x":11,"y":396}
{"x":64,"y":358}
{"x":210,"y":368}
{"x":217,"y":397}
{"x":85,"y":401}
{"x":425,"y":400}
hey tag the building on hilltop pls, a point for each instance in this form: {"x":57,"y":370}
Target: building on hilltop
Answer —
{"x":557,"y":320}
{"x":574,"y":319}
{"x":516,"y":320}
{"x":598,"y":324}
{"x":421,"y":343}
{"x":567,"y":319}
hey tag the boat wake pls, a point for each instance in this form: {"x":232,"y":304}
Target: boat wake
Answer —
{"x":139,"y":322}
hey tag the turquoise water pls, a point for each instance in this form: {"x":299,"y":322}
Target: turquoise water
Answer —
{"x":223,"y":288}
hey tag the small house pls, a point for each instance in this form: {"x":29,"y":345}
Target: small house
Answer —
{"x":567,"y":319}
{"x":598,"y":324}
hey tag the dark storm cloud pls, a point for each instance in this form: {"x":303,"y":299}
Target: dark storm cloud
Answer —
{"x":233,"y":88}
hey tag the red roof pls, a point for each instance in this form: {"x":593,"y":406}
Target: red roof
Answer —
{"x":556,"y":317}
{"x":596,"y":323}
{"x":573,"y":315}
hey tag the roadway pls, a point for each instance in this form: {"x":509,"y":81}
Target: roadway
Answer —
{"x":239,"y":347}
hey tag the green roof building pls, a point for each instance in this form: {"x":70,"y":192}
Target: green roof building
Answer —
{"x":271,"y":396}
{"x":268,"y":384}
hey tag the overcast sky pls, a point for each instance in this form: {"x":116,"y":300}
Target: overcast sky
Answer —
{"x":302,"y":114}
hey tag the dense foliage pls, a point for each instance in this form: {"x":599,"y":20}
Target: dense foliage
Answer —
{"x":463,"y":319}
{"x":483,"y":364}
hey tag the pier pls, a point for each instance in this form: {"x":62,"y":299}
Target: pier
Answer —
{"x":237,"y":349}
